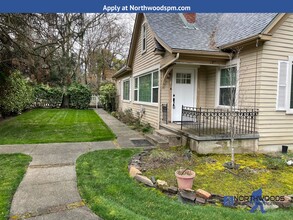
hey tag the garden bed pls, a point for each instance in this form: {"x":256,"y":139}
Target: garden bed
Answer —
{"x":268,"y":172}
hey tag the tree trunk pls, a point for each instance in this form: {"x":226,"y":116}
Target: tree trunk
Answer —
{"x":65,"y":101}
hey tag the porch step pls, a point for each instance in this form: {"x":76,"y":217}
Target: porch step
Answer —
{"x":172,"y":138}
{"x":157,"y":140}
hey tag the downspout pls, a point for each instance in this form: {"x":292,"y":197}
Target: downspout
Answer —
{"x":161,"y":84}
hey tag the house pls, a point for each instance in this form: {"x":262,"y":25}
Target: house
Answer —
{"x":177,"y":70}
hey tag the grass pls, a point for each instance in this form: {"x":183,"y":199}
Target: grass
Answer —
{"x":256,"y":171}
{"x":104,"y":183}
{"x":12,"y":170}
{"x":54,"y":126}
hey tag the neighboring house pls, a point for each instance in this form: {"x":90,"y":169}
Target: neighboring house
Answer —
{"x":184,"y":60}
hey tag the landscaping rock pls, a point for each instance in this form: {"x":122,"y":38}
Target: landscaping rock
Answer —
{"x":162,"y":184}
{"x":203,"y":194}
{"x":284,"y":204}
{"x":212,"y":201}
{"x":133,"y":171}
{"x":289,"y":198}
{"x":137,"y":166}
{"x":153,"y":179}
{"x":200,"y":200}
{"x":187,"y":195}
{"x":144,"y":180}
{"x":172,"y":189}
{"x":270,"y":206}
{"x":217,"y":197}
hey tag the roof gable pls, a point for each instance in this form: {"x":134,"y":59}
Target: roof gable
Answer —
{"x":213,"y":30}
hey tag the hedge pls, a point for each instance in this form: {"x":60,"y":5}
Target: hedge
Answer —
{"x":16,"y":94}
{"x":80,"y":96}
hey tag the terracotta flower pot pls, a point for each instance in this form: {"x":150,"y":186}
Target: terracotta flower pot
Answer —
{"x":185,"y":179}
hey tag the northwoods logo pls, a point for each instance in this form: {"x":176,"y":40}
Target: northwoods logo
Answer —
{"x":256,"y":199}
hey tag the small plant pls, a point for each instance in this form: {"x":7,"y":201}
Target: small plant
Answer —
{"x":274,"y":163}
{"x":161,"y":155}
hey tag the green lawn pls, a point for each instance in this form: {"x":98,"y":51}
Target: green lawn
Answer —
{"x":104,"y":183}
{"x":12,"y":170}
{"x":54,"y":126}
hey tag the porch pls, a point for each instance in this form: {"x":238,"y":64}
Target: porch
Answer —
{"x":208,"y":130}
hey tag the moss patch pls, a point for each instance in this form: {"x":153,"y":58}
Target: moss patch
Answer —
{"x":255,"y":172}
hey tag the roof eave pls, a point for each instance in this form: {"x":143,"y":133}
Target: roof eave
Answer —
{"x":122,"y":72}
{"x":259,"y":37}
{"x":213,"y":54}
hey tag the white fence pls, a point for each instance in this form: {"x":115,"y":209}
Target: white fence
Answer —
{"x":94,"y":101}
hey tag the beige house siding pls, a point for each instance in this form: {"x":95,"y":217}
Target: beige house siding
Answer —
{"x":275,"y":127}
{"x":210,"y":87}
{"x":249,"y":77}
{"x":147,"y":59}
{"x":201,"y":87}
{"x":166,"y":93}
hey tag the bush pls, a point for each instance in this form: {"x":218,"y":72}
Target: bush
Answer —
{"x":107,"y":95}
{"x":80,"y":96}
{"x":16,"y":94}
{"x":134,"y":122}
{"x":48,"y":96}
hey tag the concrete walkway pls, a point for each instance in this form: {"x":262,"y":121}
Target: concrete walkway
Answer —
{"x":49,"y":188}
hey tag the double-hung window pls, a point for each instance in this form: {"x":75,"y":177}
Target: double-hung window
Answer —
{"x":126,"y":90}
{"x":143,"y":38}
{"x":227,"y":86}
{"x":146,"y":87}
{"x":285,"y":86}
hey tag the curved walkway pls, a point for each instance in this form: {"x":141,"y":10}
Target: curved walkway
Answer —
{"x":49,"y":188}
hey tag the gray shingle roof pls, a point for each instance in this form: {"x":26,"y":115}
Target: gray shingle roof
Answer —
{"x":213,"y":29}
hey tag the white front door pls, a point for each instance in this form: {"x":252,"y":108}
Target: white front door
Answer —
{"x":183,"y":91}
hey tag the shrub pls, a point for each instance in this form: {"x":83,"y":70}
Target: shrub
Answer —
{"x":48,"y":96}
{"x":16,"y":94}
{"x":80,"y":96}
{"x":107,"y":95}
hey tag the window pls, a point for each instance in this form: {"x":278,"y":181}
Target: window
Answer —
{"x":143,"y":38}
{"x":183,"y":78}
{"x":227,"y":88}
{"x":146,"y":87}
{"x":285,"y":86}
{"x":126,"y":89}
{"x":135,"y":89}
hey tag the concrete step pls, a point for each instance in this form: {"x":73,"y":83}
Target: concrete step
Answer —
{"x":172,"y":138}
{"x":157,"y":140}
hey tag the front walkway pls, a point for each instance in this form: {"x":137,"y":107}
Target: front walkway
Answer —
{"x":49,"y":188}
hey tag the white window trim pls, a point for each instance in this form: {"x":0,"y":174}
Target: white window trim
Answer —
{"x":289,"y":77}
{"x":232,"y":63}
{"x":143,"y":35}
{"x":152,"y":87}
{"x":122,"y":89}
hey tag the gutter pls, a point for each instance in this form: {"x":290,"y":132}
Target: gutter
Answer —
{"x":121,"y":72}
{"x":261,"y":37}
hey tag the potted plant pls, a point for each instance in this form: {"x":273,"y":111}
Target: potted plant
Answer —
{"x":184,"y":178}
